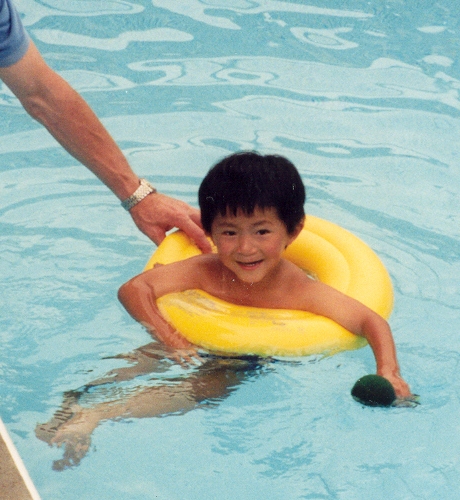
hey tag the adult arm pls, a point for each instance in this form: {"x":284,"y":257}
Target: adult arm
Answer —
{"x":49,"y":99}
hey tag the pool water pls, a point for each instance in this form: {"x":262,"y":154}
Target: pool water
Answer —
{"x":364,"y":98}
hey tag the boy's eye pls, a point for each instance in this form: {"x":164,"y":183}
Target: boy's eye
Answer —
{"x":263,"y":231}
{"x":229,"y":232}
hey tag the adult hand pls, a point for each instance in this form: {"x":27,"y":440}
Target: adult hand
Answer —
{"x":57,"y":106}
{"x":158,"y":213}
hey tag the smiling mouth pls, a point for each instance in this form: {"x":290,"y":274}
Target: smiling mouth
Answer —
{"x":249,"y":265}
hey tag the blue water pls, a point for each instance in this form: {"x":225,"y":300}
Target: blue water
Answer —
{"x":364,"y":98}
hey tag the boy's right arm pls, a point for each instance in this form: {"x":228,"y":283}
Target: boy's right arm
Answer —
{"x":138,"y":298}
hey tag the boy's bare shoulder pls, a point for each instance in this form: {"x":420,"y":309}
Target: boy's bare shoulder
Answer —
{"x":192,"y":266}
{"x":205,"y":260}
{"x":295,"y":273}
{"x":210,"y":264}
{"x":206,"y":270}
{"x":295,"y":285}
{"x":203,"y":264}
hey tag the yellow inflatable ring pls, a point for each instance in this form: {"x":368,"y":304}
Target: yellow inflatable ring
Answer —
{"x":332,"y":254}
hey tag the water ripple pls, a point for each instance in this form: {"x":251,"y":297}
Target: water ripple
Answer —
{"x":328,"y":39}
{"x":36,"y":10}
{"x":58,"y":37}
{"x":195,"y":9}
{"x":384,"y":79}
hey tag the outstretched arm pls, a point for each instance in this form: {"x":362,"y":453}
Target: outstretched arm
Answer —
{"x":360,"y":320}
{"x":55,"y":104}
{"x":378,"y":333}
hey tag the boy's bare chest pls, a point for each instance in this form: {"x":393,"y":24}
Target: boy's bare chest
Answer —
{"x":272,"y":296}
{"x":279,"y":291}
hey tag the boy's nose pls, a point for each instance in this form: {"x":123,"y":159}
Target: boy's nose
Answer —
{"x":245,"y":245}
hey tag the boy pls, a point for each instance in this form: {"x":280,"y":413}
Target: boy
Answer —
{"x":252,"y":209}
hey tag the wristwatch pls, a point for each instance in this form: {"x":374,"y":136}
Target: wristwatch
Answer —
{"x":144,"y":189}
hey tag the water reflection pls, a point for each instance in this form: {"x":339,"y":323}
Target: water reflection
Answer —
{"x":34,"y":11}
{"x":328,"y":39}
{"x":198,"y":10}
{"x":384,"y":79}
{"x":121,"y":42}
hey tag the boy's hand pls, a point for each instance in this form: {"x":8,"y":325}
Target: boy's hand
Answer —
{"x":186,"y":357}
{"x":181,"y":350}
{"x":401,"y":388}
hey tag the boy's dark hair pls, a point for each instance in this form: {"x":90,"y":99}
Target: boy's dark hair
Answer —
{"x":248,"y":180}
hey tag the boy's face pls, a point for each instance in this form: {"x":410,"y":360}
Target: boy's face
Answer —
{"x":251,"y":246}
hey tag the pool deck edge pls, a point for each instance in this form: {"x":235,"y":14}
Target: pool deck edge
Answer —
{"x":15,"y":482}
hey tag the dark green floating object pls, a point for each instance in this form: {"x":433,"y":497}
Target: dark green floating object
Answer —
{"x":373,"y":390}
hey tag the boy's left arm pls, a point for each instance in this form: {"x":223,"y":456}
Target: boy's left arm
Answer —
{"x":360,"y":320}
{"x":378,"y":334}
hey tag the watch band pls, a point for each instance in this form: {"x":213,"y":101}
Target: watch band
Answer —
{"x":144,"y":189}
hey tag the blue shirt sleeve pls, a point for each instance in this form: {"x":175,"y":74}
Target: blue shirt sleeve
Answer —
{"x":14,"y":40}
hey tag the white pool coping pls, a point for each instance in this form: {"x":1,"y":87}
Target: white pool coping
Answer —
{"x":12,"y":464}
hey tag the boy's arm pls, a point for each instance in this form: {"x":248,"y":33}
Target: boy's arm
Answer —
{"x":360,"y":320}
{"x":139,"y":296}
{"x":378,"y":334}
{"x":139,"y":300}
